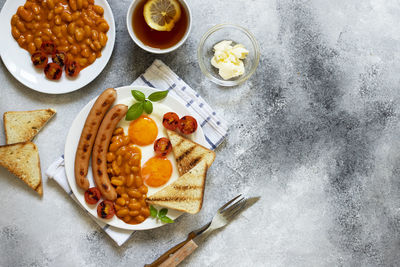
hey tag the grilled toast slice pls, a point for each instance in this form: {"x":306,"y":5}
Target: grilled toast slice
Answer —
{"x":186,"y":193}
{"x":22,"y":126}
{"x":188,"y":153}
{"x":22,"y":159}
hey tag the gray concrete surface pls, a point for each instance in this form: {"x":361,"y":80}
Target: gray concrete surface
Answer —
{"x":315,"y":132}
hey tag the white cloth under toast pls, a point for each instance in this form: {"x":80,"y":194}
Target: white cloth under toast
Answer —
{"x":160,"y":76}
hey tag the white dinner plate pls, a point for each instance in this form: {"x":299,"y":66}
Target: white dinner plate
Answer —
{"x":18,"y":61}
{"x":73,"y":140}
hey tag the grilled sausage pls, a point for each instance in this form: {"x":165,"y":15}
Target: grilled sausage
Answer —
{"x":92,"y":124}
{"x":99,"y":156}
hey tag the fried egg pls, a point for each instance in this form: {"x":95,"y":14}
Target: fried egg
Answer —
{"x":143,"y":132}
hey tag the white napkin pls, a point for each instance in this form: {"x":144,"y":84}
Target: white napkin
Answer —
{"x":160,"y":76}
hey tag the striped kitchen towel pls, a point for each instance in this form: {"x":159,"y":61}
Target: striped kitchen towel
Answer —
{"x":160,"y":76}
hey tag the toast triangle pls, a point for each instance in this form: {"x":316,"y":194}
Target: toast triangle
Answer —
{"x":22,"y":126}
{"x":188,"y":153}
{"x":22,"y":159}
{"x":186,"y":193}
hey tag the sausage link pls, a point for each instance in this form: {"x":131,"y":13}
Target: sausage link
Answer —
{"x":92,"y":124}
{"x":99,"y":156}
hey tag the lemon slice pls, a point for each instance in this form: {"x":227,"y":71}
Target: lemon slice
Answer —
{"x":161,"y":15}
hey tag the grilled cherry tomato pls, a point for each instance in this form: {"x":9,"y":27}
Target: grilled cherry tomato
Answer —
{"x":170,"y":120}
{"x":39,"y":59}
{"x":187,"y":125}
{"x":106,"y":209}
{"x":72,"y":69}
{"x":92,"y":195}
{"x":53,"y":71}
{"x":162,"y":146}
{"x":60,"y":58}
{"x":48,"y":47}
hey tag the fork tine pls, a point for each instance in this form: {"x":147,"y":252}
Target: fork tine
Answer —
{"x":233,"y":214}
{"x":232,"y":206}
{"x":229,"y":202}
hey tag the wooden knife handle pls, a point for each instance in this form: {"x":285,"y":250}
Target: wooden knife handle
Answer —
{"x":180,"y":254}
{"x":173,"y":250}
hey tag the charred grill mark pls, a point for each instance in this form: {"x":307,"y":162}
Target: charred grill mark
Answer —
{"x":38,"y":186}
{"x":175,"y":199}
{"x":88,"y":136}
{"x":105,"y":186}
{"x":185,"y":154}
{"x":115,"y":115}
{"x":56,"y":73}
{"x":179,"y":143}
{"x":99,"y":161}
{"x":85,"y":147}
{"x":105,"y":103}
{"x":186,"y":187}
{"x":98,"y":112}
{"x":194,"y":162}
{"x":81,"y":172}
{"x":99,"y":172}
{"x":168,"y":146}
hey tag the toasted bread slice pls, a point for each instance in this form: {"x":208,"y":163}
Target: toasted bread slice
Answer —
{"x":186,"y":193}
{"x":188,"y":153}
{"x":22,"y":159}
{"x":22,"y":126}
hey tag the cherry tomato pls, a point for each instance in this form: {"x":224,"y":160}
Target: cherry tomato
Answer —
{"x":106,"y":209}
{"x":187,"y":125}
{"x":162,"y":146}
{"x":39,"y":59}
{"x":170,"y":120}
{"x":60,"y":58}
{"x":92,"y":195}
{"x":72,"y":69}
{"x":48,"y":47}
{"x":53,"y":71}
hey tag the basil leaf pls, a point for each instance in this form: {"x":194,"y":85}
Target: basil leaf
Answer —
{"x":166,"y":219}
{"x":153,"y":212}
{"x":139,"y":96}
{"x":157,"y":96}
{"x":148,"y":107}
{"x":162,"y":213}
{"x":134,"y":111}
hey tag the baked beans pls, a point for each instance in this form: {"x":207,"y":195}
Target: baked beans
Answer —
{"x":123,"y":168}
{"x":70,"y":24}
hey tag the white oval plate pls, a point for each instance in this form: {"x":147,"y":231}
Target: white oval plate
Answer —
{"x":18,"y":61}
{"x":73,"y":140}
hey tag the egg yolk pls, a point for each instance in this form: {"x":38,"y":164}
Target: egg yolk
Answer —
{"x":143,"y":131}
{"x":157,"y":171}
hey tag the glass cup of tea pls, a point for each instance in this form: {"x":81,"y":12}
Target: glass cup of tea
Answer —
{"x":158,"y":42}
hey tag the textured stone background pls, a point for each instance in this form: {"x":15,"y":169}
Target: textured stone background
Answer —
{"x":314,"y":132}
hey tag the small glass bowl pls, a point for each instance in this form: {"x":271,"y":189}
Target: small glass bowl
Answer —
{"x":238,"y":35}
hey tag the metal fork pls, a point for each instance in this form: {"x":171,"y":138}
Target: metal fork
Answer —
{"x":224,"y":215}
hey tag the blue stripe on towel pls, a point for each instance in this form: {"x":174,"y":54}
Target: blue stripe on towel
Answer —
{"x":171,"y":87}
{"x":204,"y":122}
{"x":189,"y":103}
{"x":146,"y":81}
{"x":211,"y":143}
